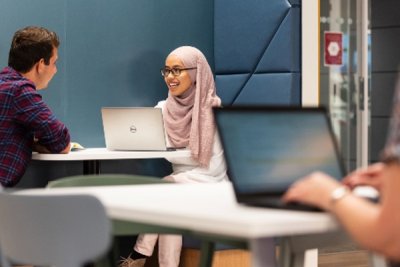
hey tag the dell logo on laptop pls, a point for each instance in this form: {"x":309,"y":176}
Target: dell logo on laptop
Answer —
{"x":132,"y":129}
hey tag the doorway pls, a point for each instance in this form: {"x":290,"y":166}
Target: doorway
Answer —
{"x":344,"y":75}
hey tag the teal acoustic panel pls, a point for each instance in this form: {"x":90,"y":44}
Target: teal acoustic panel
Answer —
{"x":281,"y":55}
{"x":232,"y":85}
{"x":261,"y":41}
{"x":270,"y":89}
{"x":110,"y":53}
{"x":243,"y":30}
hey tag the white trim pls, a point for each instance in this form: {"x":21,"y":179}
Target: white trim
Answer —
{"x":310,"y":53}
{"x":363,"y":114}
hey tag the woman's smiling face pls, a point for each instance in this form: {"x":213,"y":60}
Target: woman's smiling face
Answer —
{"x":179,"y":84}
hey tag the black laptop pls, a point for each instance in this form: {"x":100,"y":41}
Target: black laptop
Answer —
{"x":269,"y":148}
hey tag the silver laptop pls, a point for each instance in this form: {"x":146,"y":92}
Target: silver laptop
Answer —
{"x":133,"y":128}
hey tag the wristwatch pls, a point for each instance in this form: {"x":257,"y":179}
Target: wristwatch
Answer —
{"x":338,"y":194}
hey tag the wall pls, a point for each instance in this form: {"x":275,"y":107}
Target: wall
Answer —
{"x":110,"y":55}
{"x":385,"y":33}
{"x":258,"y":60}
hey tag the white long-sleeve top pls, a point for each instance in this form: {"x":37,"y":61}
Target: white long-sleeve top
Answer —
{"x":186,"y":170}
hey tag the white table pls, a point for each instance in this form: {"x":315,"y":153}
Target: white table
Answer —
{"x":91,"y":156}
{"x":211,"y":210}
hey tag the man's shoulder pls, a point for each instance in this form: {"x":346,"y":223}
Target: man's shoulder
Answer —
{"x":17,"y":87}
{"x":12,"y":78}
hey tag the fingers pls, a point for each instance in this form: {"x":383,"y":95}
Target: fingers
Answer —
{"x":290,"y":194}
{"x":352,"y":180}
{"x":376,"y":168}
{"x":296,"y":190}
{"x":365,"y":176}
{"x":313,"y":189}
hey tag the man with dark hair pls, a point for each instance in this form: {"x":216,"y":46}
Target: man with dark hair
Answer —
{"x":26,"y":122}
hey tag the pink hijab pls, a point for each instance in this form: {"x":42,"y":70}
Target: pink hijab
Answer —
{"x":188,"y":118}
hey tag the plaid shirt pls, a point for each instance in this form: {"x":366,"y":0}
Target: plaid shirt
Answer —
{"x":23,"y":117}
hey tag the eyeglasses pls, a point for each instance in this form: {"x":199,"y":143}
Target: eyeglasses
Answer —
{"x":175,"y":71}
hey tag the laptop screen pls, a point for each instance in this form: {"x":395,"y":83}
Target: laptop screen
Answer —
{"x":267,"y":149}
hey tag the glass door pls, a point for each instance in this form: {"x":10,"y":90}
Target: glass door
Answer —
{"x":344,"y":74}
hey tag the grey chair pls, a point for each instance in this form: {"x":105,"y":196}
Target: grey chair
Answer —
{"x":56,"y":230}
{"x":120,"y":228}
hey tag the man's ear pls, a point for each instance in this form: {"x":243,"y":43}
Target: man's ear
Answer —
{"x":40,"y":65}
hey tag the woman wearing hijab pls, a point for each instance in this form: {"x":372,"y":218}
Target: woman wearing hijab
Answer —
{"x":189,"y":124}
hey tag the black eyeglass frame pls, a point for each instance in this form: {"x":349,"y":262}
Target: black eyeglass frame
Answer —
{"x":175,"y":71}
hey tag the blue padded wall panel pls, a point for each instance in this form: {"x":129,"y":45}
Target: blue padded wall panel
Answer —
{"x":281,"y":55}
{"x":233,"y":84}
{"x":260,"y":40}
{"x":270,"y":89}
{"x":242,"y":31}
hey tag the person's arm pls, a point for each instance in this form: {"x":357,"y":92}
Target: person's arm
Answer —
{"x":42,"y":149}
{"x":51,"y":135}
{"x":374,"y":226}
{"x":369,"y":176}
{"x":39,"y":148}
{"x":215,"y":172}
{"x":66,"y":150}
{"x":377,"y":227}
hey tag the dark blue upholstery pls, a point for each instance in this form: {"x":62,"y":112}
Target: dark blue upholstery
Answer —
{"x":257,"y":51}
{"x":257,"y":48}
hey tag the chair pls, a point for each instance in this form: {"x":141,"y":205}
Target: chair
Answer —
{"x":56,"y":230}
{"x":104,"y":180}
{"x":120,"y":227}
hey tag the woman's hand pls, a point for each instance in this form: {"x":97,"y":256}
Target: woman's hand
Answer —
{"x":314,"y":189}
{"x":370,"y":176}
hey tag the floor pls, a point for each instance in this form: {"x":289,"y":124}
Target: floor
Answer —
{"x":345,"y":256}
{"x":352,"y":257}
{"x":355,"y":258}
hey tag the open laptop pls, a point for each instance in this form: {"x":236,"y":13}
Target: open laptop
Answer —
{"x":134,"y":128}
{"x":269,"y":148}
